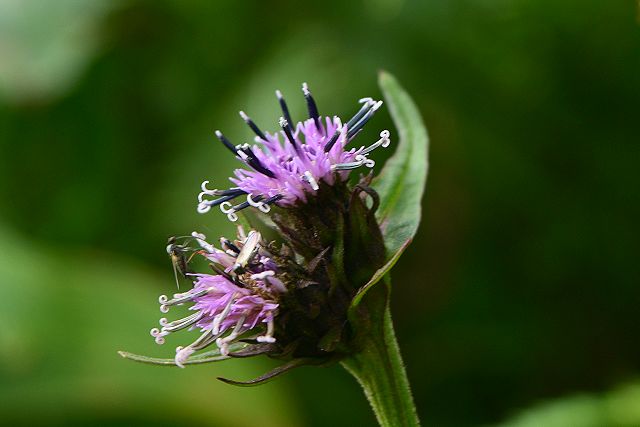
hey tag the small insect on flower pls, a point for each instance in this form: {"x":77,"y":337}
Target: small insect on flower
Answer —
{"x":239,"y":302}
{"x":177,"y":252}
{"x":294,"y":163}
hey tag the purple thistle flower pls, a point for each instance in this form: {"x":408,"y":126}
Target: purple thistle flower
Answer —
{"x":290,"y":165}
{"x":241,"y":298}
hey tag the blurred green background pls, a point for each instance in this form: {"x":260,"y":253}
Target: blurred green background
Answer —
{"x":518,"y":302}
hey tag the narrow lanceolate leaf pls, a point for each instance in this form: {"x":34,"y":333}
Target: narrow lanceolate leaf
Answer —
{"x":401,"y":182}
{"x":378,"y":275}
{"x":292,"y":364}
{"x":207,"y":357}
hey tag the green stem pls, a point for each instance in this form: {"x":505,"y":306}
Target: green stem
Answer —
{"x":379,"y":369}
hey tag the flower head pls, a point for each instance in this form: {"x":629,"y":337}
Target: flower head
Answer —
{"x":291,"y":165}
{"x":240,"y":299}
{"x":289,"y":298}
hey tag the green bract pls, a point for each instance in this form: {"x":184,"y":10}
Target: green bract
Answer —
{"x":401,"y":183}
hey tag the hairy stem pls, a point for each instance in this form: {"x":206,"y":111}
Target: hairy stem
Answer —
{"x":379,"y":369}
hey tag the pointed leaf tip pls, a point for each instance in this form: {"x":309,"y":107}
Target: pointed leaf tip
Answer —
{"x":262,"y":379}
{"x":401,"y":182}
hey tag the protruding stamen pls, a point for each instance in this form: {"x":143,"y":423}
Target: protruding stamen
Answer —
{"x":273,"y":199}
{"x":185,"y":322}
{"x":203,"y":208}
{"x":252,"y":125}
{"x":367,"y":104}
{"x":158,"y":335}
{"x":351,"y":131}
{"x":183,"y":353}
{"x":256,"y":203}
{"x":228,"y":209}
{"x":216,"y":202}
{"x":223,"y":343}
{"x":384,"y":141}
{"x":311,"y":106}
{"x":205,"y":205}
{"x":365,"y":160}
{"x":201,"y":239}
{"x":225,"y":141}
{"x":181,"y":298}
{"x":230,"y":191}
{"x":217,"y":320}
{"x":329,"y":145}
{"x":206,"y":191}
{"x":283,"y":106}
{"x":361,"y":160}
{"x":311,"y":180}
{"x":246,"y":154}
{"x":288,"y":131}
{"x":268,"y":337}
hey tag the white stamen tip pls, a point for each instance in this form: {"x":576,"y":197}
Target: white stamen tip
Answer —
{"x":305,"y":89}
{"x":279,"y":94}
{"x":203,"y":208}
{"x":198,"y":235}
{"x":182,"y":354}
{"x":264,"y":208}
{"x":244,"y":116}
{"x":224,"y":347}
{"x":283,"y":122}
{"x":226,"y":207}
{"x":311,"y":180}
{"x":365,"y":161}
{"x":218,"y":134}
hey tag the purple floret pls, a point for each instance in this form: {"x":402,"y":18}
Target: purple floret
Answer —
{"x":289,"y":166}
{"x":243,"y":297}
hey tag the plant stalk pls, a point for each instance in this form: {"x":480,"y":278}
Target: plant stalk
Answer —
{"x":379,"y":369}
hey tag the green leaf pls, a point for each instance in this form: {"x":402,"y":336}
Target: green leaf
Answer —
{"x":209,"y":356}
{"x":615,"y":408}
{"x":379,"y":369}
{"x":401,"y":182}
{"x":379,"y":274}
{"x":292,"y":364}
